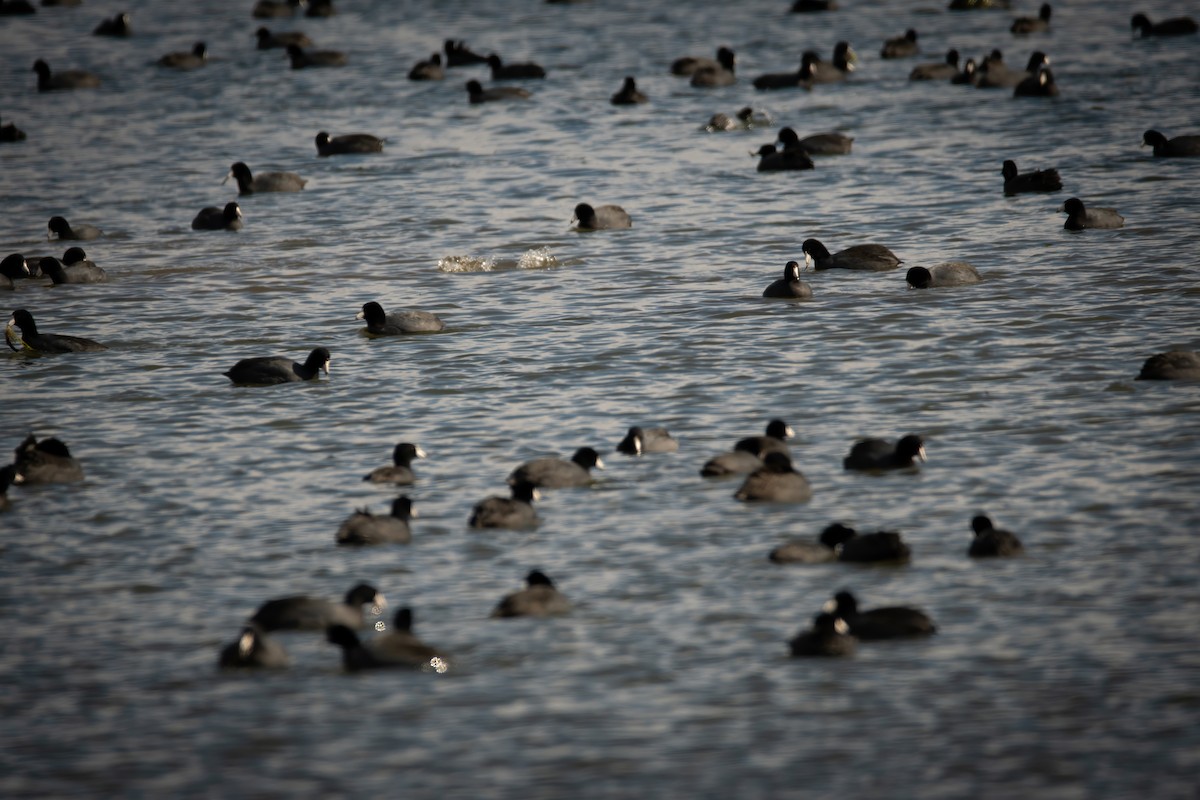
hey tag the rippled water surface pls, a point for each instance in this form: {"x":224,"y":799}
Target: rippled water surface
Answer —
{"x":1072,"y":672}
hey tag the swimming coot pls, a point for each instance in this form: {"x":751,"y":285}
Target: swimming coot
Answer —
{"x":1079,"y":217}
{"x":212,"y":218}
{"x":600,"y":218}
{"x":347,"y":144}
{"x":1040,"y":180}
{"x":873,"y":455}
{"x":397,"y":323}
{"x":887,"y":622}
{"x":867,"y":257}
{"x":271,"y":370}
{"x":949,"y":273}
{"x":305,"y":613}
{"x":43,"y":343}
{"x":776,"y":481}
{"x":399,"y":472}
{"x":45,"y":461}
{"x":789,"y":286}
{"x":363,"y":527}
{"x":639,"y":441}
{"x":555,"y":473}
{"x":990,"y":541}
{"x":539,"y":598}
{"x":514,"y":513}
{"x":829,"y":636}
{"x":249,"y":183}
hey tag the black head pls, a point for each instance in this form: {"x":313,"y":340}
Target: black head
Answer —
{"x":342,"y":636}
{"x":1009,"y":170}
{"x":836,"y":534}
{"x":373,"y":313}
{"x":49,"y":265}
{"x":14,"y":266}
{"x":815,"y":249}
{"x":41,"y":68}
{"x":53,"y":447}
{"x":980,"y":523}
{"x":494,"y":61}
{"x":199,"y":50}
{"x":633,"y":442}
{"x":587,"y":458}
{"x":765,"y":150}
{"x":8,"y":476}
{"x":262,"y":34}
{"x":1073,"y":206}
{"x":74,"y":255}
{"x":322,"y":139}
{"x":630,"y":85}
{"x":829,"y":624}
{"x":919,"y":277}
{"x":1036,"y":59}
{"x":402,"y":508}
{"x":404,"y":453}
{"x":952,"y":57}
{"x":910,"y":447}
{"x":318,"y":359}
{"x":911,"y":35}
{"x":474,"y":88}
{"x":403,"y":619}
{"x":788,"y":138}
{"x":538,"y":578}
{"x":1044,"y":12}
{"x":778,"y":429}
{"x":994,"y":57}
{"x":791,"y":271}
{"x":843,"y":604}
{"x":842,"y":53}
{"x":232,"y":211}
{"x":746,"y":114}
{"x":524,"y":491}
{"x":295,"y":51}
{"x":777,"y":462}
{"x":1153,"y":138}
{"x":241,"y":172}
{"x":585,"y":214}
{"x":1140,"y":22}
{"x":362,"y":594}
{"x":726,"y":58}
{"x":24,"y":320}
{"x":59,"y":226}
{"x":436,"y":59}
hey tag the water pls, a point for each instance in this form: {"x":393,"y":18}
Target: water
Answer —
{"x":1071,"y":672}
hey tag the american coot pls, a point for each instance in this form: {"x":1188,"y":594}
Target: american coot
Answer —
{"x":502,"y":71}
{"x":813,"y":6}
{"x":304,"y":59}
{"x":81,"y":271}
{"x":639,"y":441}
{"x":949,"y":273}
{"x":968,"y":75}
{"x":1173,"y":365}
{"x":271,"y":370}
{"x":629,"y":95}
{"x":880,"y":547}
{"x":839,"y":68}
{"x":600,"y":218}
{"x":830,"y":143}
{"x":990,"y":541}
{"x":887,"y":622}
{"x":1041,"y":180}
{"x":1079,"y":217}
{"x":45,"y":461}
{"x":304,"y":613}
{"x":11,"y":133}
{"x":776,"y":481}
{"x":829,"y":636}
{"x":459,"y":55}
{"x":869,"y":257}
{"x":719,"y":74}
{"x":873,"y":455}
{"x":8,"y":476}
{"x":937,"y":71}
{"x":1038,"y":24}
{"x":15,"y":267}
{"x":363,"y":527}
{"x":748,"y":452}
{"x":399,"y":472}
{"x":397,"y":323}
{"x":539,"y":598}
{"x":477,"y":94}
{"x":802,"y":78}
{"x":116,"y":25}
{"x":249,"y":183}
{"x":1177,"y":147}
{"x":1040,"y":85}
{"x":514,"y":513}
{"x":320,"y":8}
{"x":428,"y":70}
{"x":198,"y":57}
{"x":272,"y":41}
{"x":64,"y":230}
{"x":901,"y":46}
{"x":212,"y":218}
{"x":347,"y":144}
{"x":772,"y":160}
{"x":275,"y":9}
{"x":401,"y":646}
{"x":12,"y":8}
{"x":555,"y":473}
{"x":253,"y":649}
{"x":789,"y":286}
{"x":43,"y":343}
{"x":800,"y":551}
{"x":687,"y":65}
{"x":1176,"y":26}
{"x":995,"y":74}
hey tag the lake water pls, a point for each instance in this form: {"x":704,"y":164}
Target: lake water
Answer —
{"x":1072,"y":672}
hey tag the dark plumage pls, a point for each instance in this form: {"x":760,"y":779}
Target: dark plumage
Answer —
{"x":349,"y":143}
{"x":887,"y":622}
{"x":555,"y":473}
{"x":303,"y":59}
{"x":1038,"y":24}
{"x":428,"y":70}
{"x":1079,"y":217}
{"x":14,"y":267}
{"x":12,"y":8}
{"x":639,"y":441}
{"x":63,"y":230}
{"x":830,"y":143}
{"x":1177,"y":147}
{"x":363,"y":527}
{"x":275,"y":9}
{"x":772,"y":160}
{"x":11,"y":133}
{"x":320,"y":8}
{"x":901,"y":46}
{"x":399,"y":472}
{"x":949,"y":273}
{"x":802,"y":78}
{"x":868,"y":257}
{"x":937,"y":71}
{"x":800,"y":551}
{"x":44,"y":343}
{"x":78,"y":272}
{"x":248,"y":183}
{"x":45,"y":461}
{"x":977,"y":5}
{"x":272,"y":41}
{"x":995,"y":74}
{"x":304,"y":613}
{"x":629,"y":94}
{"x":1040,"y":85}
{"x":1176,"y":26}
{"x":514,"y":513}
{"x":503,"y":72}
{"x":117,"y":25}
{"x":1173,"y":365}
{"x":398,"y":323}
{"x":212,"y":218}
{"x":709,"y":75}
{"x":477,"y":94}
{"x":829,"y":636}
{"x":776,"y":481}
{"x":879,"y":454}
{"x":867,"y":548}
{"x":991,"y":542}
{"x":459,"y":55}
{"x":748,"y":452}
{"x":8,"y":476}
{"x":539,"y":598}
{"x":813,"y":6}
{"x":600,"y":218}
{"x":687,"y":65}
{"x":967,"y":76}
{"x":789,"y":286}
{"x":402,"y":647}
{"x":1042,"y":180}
{"x":839,"y":68}
{"x":198,"y":57}
{"x":253,"y":649}
{"x":271,"y":370}
{"x":742,"y":120}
